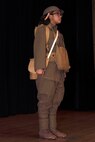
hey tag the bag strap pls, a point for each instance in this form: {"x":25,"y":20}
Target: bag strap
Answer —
{"x":53,"y":45}
{"x":47,"y":34}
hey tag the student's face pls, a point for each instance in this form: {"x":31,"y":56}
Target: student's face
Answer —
{"x":56,"y":17}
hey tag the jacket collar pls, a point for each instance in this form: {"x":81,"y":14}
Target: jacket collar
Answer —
{"x":52,"y":27}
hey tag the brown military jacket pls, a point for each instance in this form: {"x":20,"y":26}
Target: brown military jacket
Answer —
{"x":40,"y":52}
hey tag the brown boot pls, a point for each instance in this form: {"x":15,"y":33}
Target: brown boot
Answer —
{"x":53,"y":126}
{"x":46,"y":134}
{"x":59,"y":134}
{"x":44,"y":129}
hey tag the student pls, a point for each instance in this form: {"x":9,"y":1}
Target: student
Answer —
{"x":50,"y":81}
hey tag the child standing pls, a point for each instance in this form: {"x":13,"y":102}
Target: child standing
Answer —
{"x":50,"y":81}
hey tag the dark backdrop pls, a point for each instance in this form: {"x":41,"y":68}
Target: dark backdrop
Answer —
{"x":17,"y":92}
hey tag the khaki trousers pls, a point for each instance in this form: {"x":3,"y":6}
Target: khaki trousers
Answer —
{"x":50,"y":95}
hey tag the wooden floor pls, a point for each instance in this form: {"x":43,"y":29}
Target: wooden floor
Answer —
{"x":79,"y":125}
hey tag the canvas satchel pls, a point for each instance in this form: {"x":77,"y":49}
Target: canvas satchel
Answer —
{"x":32,"y":73}
{"x":62,"y":59}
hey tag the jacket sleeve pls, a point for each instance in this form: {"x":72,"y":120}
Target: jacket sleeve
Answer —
{"x":40,"y":48}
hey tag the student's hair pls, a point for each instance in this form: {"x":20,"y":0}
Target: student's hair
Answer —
{"x":43,"y":21}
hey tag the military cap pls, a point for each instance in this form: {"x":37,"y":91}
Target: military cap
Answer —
{"x":51,"y":9}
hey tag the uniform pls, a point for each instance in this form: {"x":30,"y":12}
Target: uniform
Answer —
{"x":50,"y":85}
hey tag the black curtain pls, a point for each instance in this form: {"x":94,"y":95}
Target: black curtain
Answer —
{"x":81,"y":79}
{"x":18,"y":94}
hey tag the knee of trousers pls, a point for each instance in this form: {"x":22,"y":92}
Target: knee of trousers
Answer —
{"x":57,"y":100}
{"x":44,"y":104}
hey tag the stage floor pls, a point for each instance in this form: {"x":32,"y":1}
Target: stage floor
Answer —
{"x":79,"y":126}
